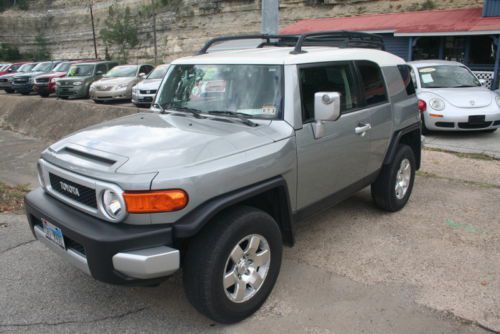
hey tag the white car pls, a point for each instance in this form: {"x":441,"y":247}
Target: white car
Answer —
{"x":451,"y":98}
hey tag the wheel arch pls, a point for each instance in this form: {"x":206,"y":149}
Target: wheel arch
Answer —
{"x":410,"y":136}
{"x":270,"y":196}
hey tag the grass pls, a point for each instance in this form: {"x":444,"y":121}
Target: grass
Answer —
{"x":466,"y":182}
{"x":12,"y":197}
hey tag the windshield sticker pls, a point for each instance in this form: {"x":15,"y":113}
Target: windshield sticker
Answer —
{"x":269,"y":110}
{"x":427,"y":70}
{"x":427,"y":78}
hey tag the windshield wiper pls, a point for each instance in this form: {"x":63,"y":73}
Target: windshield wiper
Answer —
{"x":239,"y":115}
{"x":195,"y":112}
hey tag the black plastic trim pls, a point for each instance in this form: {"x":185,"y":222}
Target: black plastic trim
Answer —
{"x":396,"y":138}
{"x":101,"y":240}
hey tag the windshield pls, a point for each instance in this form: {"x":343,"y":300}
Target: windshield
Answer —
{"x":251,"y":90}
{"x":26,"y":67}
{"x":447,"y":76}
{"x":159,"y":72}
{"x":42,"y":67}
{"x":81,"y":70}
{"x":62,"y":67}
{"x":122,"y":71}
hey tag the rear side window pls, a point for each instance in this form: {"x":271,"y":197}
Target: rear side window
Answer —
{"x":373,"y":85}
{"x":405,"y":72}
{"x":101,"y":68}
{"x":328,"y":78}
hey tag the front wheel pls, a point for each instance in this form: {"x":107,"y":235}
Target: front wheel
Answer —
{"x":392,"y":188}
{"x":232,"y":265}
{"x":9,"y":91}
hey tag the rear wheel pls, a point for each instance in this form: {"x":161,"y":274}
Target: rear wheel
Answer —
{"x":392,"y":188}
{"x":232,"y":265}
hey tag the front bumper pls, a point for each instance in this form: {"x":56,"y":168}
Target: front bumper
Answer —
{"x":110,"y":95}
{"x":22,"y":88}
{"x":112,"y":253}
{"x":5,"y":85}
{"x":43,"y":89}
{"x":142,"y":99}
{"x":71,"y":91}
{"x":462,"y":122}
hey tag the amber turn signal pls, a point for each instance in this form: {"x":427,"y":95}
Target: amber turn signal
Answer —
{"x":155,"y":201}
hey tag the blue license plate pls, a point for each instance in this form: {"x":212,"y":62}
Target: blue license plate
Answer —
{"x":53,"y":233}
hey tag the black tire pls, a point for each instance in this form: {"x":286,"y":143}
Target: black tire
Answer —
{"x":98,"y":101}
{"x":207,"y":261}
{"x":9,"y":91}
{"x":25,"y":93}
{"x":383,"y":189}
{"x":44,"y":94}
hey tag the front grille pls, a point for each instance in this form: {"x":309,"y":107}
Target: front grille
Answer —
{"x":103,"y":88}
{"x":75,"y":191}
{"x":445,"y":124}
{"x":147,"y":91}
{"x":42,"y":80}
{"x":146,"y":99}
{"x":474,"y":125}
{"x":20,"y":80}
{"x":4,"y":80}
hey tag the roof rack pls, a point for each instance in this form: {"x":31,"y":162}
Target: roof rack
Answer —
{"x":340,"y":38}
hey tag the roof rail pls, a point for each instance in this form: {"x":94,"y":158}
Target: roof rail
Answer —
{"x":340,"y":38}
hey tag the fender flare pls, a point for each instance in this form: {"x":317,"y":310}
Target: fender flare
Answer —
{"x":195,"y":220}
{"x":396,"y":139}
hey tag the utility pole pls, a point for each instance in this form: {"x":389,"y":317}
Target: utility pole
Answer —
{"x":93,"y":27}
{"x":153,"y":4}
{"x":270,"y":17}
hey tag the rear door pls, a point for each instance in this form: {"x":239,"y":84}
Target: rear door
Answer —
{"x":339,"y":158}
{"x":377,"y":107}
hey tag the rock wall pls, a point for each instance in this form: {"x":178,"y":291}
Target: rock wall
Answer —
{"x":182,"y":30}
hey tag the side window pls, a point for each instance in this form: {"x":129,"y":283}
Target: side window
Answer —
{"x":405,"y":72}
{"x":327,"y":78}
{"x":146,"y":69}
{"x":373,"y":84}
{"x":101,"y":68}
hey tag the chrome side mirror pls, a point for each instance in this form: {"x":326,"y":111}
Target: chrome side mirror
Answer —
{"x":326,"y":108}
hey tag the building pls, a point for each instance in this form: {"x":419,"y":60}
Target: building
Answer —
{"x":469,"y":35}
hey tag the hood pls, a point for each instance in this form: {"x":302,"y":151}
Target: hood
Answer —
{"x":114,"y":81}
{"x":53,"y":75}
{"x":466,"y":97}
{"x":28,"y":74}
{"x":147,"y":142}
{"x":149,"y":84}
{"x":7,"y":76}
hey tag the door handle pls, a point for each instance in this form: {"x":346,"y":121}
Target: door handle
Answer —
{"x":362,"y":128}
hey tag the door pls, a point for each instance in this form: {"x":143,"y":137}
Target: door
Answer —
{"x":338,"y":159}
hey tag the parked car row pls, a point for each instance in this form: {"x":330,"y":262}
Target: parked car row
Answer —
{"x":102,"y":81}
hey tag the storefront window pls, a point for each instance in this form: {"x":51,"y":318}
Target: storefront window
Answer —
{"x":426,"y":48}
{"x":454,"y":48}
{"x":482,"y":50}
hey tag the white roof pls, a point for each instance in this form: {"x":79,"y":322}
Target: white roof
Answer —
{"x":433,"y":62}
{"x":281,"y":55}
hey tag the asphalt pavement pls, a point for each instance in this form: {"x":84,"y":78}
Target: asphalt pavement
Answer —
{"x":430,"y":268}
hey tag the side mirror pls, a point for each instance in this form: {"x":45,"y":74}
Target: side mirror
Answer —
{"x":482,"y":82}
{"x":142,"y":75}
{"x":99,"y":73}
{"x":10,"y":70}
{"x":326,"y":108}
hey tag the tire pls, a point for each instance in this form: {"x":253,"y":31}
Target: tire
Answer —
{"x":208,"y":261}
{"x":25,"y":93}
{"x":9,"y":91}
{"x":384,"y":191}
{"x":44,"y":95}
{"x":98,"y":101}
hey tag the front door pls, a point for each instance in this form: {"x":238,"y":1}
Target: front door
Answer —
{"x":340,"y":158}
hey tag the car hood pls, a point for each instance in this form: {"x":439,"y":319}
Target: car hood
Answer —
{"x":28,"y":74}
{"x":467,"y":97}
{"x":149,"y":142}
{"x":114,"y":81}
{"x":149,"y":84}
{"x":52,"y":75}
{"x":7,"y":76}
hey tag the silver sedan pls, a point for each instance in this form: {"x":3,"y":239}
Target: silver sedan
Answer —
{"x":451,"y":98}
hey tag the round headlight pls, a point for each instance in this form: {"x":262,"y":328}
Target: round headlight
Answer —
{"x":112,"y":204}
{"x":497,"y":100}
{"x":77,"y":83}
{"x":436,"y":104}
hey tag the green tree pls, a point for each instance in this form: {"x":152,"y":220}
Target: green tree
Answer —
{"x":9,"y":52}
{"x":120,"y":29}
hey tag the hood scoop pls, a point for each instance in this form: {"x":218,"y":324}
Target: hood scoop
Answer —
{"x":79,"y":157}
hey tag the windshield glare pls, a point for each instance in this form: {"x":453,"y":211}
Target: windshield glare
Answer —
{"x":447,"y":76}
{"x":159,"y":72}
{"x":122,"y":71}
{"x":62,"y":67}
{"x":26,"y":67}
{"x":42,"y":67}
{"x":81,"y":70}
{"x":253,"y":90}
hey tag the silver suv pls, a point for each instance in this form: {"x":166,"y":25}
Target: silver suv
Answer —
{"x":240,"y":145}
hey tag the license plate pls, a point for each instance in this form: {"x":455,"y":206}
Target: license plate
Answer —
{"x":477,"y":119}
{"x":53,"y":233}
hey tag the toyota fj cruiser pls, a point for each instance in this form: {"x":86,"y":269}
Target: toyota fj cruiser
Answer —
{"x":240,"y":145}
